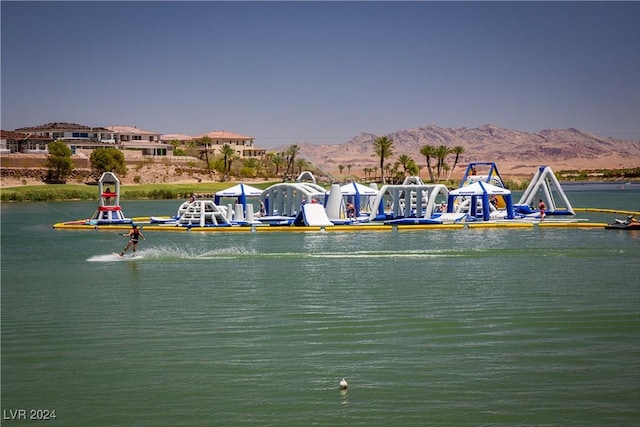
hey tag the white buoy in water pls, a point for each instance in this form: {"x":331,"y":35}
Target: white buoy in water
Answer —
{"x":343,"y":384}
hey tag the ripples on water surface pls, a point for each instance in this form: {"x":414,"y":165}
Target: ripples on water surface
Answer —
{"x":449,"y":327}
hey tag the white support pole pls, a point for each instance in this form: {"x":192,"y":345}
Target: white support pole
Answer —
{"x":239,"y":214}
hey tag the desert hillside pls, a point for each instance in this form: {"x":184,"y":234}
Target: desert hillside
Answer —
{"x":515,"y":152}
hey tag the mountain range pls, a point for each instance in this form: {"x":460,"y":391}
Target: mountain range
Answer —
{"x":514,"y":152}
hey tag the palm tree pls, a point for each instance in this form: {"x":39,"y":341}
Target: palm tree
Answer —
{"x":278,"y":160}
{"x":291,"y":154}
{"x":252,"y":164}
{"x":441,"y":153}
{"x":387,"y":169}
{"x":301,"y":164}
{"x":405,"y":161}
{"x":233,"y":157}
{"x":267,"y":161}
{"x":413,"y":168}
{"x":206,"y":140}
{"x":383,"y":148}
{"x":429,"y":151}
{"x":446,"y":168}
{"x":457,"y":150}
{"x":227,"y":152}
{"x":341,"y":168}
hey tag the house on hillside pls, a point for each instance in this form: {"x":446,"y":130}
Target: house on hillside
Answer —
{"x":70,"y":132}
{"x":77,"y":137}
{"x":124,"y":134}
{"x":84,"y":139}
{"x":242,"y":145}
{"x":148,"y":142}
{"x":180,"y":137}
{"x":18,"y":142}
{"x":133,"y":141}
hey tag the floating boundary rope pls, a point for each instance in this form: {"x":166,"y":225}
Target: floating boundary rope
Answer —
{"x":613,"y":211}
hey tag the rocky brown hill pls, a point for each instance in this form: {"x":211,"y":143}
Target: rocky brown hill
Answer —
{"x":515,"y":152}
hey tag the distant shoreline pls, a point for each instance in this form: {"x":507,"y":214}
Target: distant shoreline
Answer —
{"x":40,"y":192}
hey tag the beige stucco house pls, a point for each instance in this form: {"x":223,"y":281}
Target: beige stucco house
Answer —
{"x":243,"y":145}
{"x":133,"y":141}
{"x":76,"y":136}
{"x":84,"y":139}
{"x":18,"y":142}
{"x":134,"y":138}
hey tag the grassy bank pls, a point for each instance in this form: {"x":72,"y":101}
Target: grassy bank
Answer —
{"x":60,"y":192}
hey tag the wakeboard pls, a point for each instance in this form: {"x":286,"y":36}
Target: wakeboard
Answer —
{"x":117,"y":255}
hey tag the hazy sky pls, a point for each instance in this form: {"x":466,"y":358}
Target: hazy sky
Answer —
{"x":322,"y":72}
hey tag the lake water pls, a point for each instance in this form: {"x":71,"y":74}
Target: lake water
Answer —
{"x":441,"y":327}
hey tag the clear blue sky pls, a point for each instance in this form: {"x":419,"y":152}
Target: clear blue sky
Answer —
{"x":322,"y":72}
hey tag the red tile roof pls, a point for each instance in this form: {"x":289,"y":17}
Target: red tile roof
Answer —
{"x":5,"y":134}
{"x":132,"y":130}
{"x":61,"y":126}
{"x":223,"y":134}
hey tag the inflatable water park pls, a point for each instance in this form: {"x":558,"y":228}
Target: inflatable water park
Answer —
{"x":481,"y":201}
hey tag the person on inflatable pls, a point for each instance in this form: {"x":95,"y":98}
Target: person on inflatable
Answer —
{"x":351,"y":210}
{"x":542,"y":208}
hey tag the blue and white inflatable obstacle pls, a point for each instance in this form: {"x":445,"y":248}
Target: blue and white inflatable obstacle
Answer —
{"x":312,"y":214}
{"x":544,"y":186}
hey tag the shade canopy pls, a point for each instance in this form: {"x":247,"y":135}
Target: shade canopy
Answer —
{"x":479,"y":189}
{"x":482,"y":190}
{"x":240,"y":190}
{"x":354,"y":188}
{"x":356,"y":191}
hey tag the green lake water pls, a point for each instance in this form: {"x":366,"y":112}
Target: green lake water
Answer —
{"x":439,"y":327}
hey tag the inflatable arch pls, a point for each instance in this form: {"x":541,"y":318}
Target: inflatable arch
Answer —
{"x":481,"y":172}
{"x":407,"y":201}
{"x":306,"y":175}
{"x":285,"y":199}
{"x":546,"y":183}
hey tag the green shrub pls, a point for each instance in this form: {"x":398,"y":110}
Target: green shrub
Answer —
{"x":90,"y":192}
{"x":163,"y":193}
